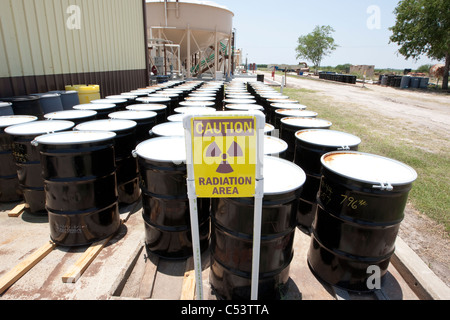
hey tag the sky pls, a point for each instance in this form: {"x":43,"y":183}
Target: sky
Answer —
{"x":267,"y":31}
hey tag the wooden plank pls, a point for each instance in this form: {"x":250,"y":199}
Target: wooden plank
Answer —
{"x":188,"y":288}
{"x":84,"y":261}
{"x":17,"y":210}
{"x":148,"y":280}
{"x":422,"y":280}
{"x":22,"y":268}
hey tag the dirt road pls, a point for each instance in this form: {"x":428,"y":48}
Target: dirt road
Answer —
{"x":426,"y":112}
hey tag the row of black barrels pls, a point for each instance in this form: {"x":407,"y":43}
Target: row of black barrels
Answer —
{"x":19,"y":178}
{"x":352,"y":217}
{"x":345,"y":78}
{"x":404,"y":81}
{"x":39,"y":104}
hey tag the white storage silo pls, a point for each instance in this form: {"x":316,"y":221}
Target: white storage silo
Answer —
{"x":197,"y":34}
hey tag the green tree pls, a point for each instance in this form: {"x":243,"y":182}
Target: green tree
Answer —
{"x":423,"y":27}
{"x":424,"y":68}
{"x":343,"y":67}
{"x":316,"y":45}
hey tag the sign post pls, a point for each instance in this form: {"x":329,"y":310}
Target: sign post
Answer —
{"x":225,"y":153}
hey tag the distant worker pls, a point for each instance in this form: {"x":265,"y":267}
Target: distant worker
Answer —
{"x":154,"y":71}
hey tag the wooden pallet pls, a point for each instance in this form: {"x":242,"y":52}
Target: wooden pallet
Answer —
{"x":72,"y":275}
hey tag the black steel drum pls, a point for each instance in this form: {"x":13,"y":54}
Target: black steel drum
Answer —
{"x":165,"y":201}
{"x":6,"y":109}
{"x":361,"y":204}
{"x":232,"y":230}
{"x":69,"y":99}
{"x":160,"y":109}
{"x":80,"y":186}
{"x":167,"y":101}
{"x":311,"y":145}
{"x":274,"y":147}
{"x":9,"y":183}
{"x":168,"y":129}
{"x":26,"y":105}
{"x":28,"y":159}
{"x":121,"y":104}
{"x":50,"y":102}
{"x":290,"y":125}
{"x":145,"y":120}
{"x":126,"y":165}
{"x":279,"y":114}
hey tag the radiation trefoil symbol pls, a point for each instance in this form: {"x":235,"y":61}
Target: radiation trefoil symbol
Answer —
{"x":214,"y":151}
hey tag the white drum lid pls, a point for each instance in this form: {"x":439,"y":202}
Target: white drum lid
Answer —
{"x":368,"y":168}
{"x":5,"y":104}
{"x":133,"y":115}
{"x":172,"y":91}
{"x":165,"y":149}
{"x":195,"y":110}
{"x":163,"y":95}
{"x":330,"y":138}
{"x":296,"y":113}
{"x":290,"y":106}
{"x":306,"y":122}
{"x":75,"y":137}
{"x":106,"y":125}
{"x":39,"y":127}
{"x":143,"y":91}
{"x":282,"y":99}
{"x":95,"y":106}
{"x":281,"y":176}
{"x":169,"y":129}
{"x":268,"y":128}
{"x":176,"y":117}
{"x":197,"y":103}
{"x":238,"y":93}
{"x":244,"y":107}
{"x":121,"y":97}
{"x":8,"y":121}
{"x":109,"y":101}
{"x":277,"y":96}
{"x":240,"y":97}
{"x":135,"y":94}
{"x":153,"y":99}
{"x":70,"y":114}
{"x":240,"y":101}
{"x":204,"y":98}
{"x":205,"y":94}
{"x":273,"y":145}
{"x":147,"y":107}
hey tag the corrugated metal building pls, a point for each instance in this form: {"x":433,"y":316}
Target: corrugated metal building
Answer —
{"x":47,"y":44}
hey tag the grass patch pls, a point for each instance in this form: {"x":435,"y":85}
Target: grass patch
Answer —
{"x":400,"y":141}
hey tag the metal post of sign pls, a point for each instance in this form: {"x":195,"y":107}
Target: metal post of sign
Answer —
{"x":192,"y":195}
{"x":195,"y":239}
{"x":259,"y":195}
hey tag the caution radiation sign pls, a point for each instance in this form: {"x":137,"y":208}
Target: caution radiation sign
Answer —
{"x":224,"y":156}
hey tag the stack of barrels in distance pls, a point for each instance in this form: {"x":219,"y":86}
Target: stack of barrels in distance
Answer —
{"x":80,"y":162}
{"x":332,"y":76}
{"x":404,"y":82}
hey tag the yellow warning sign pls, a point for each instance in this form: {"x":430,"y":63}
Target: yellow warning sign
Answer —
{"x":224,"y":156}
